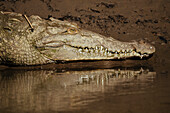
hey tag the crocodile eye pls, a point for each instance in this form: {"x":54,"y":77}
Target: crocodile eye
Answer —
{"x":142,"y":42}
{"x":72,"y":31}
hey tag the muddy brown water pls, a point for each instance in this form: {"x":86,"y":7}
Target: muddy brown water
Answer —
{"x":101,"y":86}
{"x":130,"y":86}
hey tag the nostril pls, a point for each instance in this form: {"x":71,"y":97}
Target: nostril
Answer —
{"x":142,"y":42}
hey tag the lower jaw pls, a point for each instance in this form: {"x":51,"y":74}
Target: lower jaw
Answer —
{"x":104,"y":58}
{"x":111,"y":56}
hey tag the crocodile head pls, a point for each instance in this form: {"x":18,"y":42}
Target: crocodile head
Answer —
{"x":78,"y":44}
{"x":53,"y":40}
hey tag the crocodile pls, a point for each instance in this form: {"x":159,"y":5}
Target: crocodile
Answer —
{"x":35,"y":41}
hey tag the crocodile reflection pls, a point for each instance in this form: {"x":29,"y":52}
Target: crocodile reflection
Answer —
{"x":50,"y":89}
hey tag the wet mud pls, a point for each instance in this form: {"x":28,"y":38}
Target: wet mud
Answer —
{"x":125,"y":20}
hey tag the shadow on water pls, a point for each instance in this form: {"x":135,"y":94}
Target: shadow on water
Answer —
{"x":62,"y":89}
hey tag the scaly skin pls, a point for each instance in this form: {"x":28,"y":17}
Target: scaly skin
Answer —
{"x":53,"y":40}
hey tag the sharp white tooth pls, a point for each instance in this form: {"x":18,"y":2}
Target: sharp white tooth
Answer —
{"x":118,"y":51}
{"x":126,"y":51}
{"x":105,"y":53}
{"x":123,"y":50}
{"x":106,"y":49}
{"x":96,"y":48}
{"x":86,"y":50}
{"x":91,"y":50}
{"x":64,"y":46}
{"x":141,"y":56}
{"x":146,"y":55}
{"x":80,"y":50}
{"x":101,"y":47}
{"x":109,"y":53}
{"x":130,"y":50}
{"x":119,"y":56}
{"x":122,"y":55}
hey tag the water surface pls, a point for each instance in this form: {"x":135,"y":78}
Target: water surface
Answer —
{"x":117,"y":89}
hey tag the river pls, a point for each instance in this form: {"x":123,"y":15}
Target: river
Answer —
{"x":95,"y":89}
